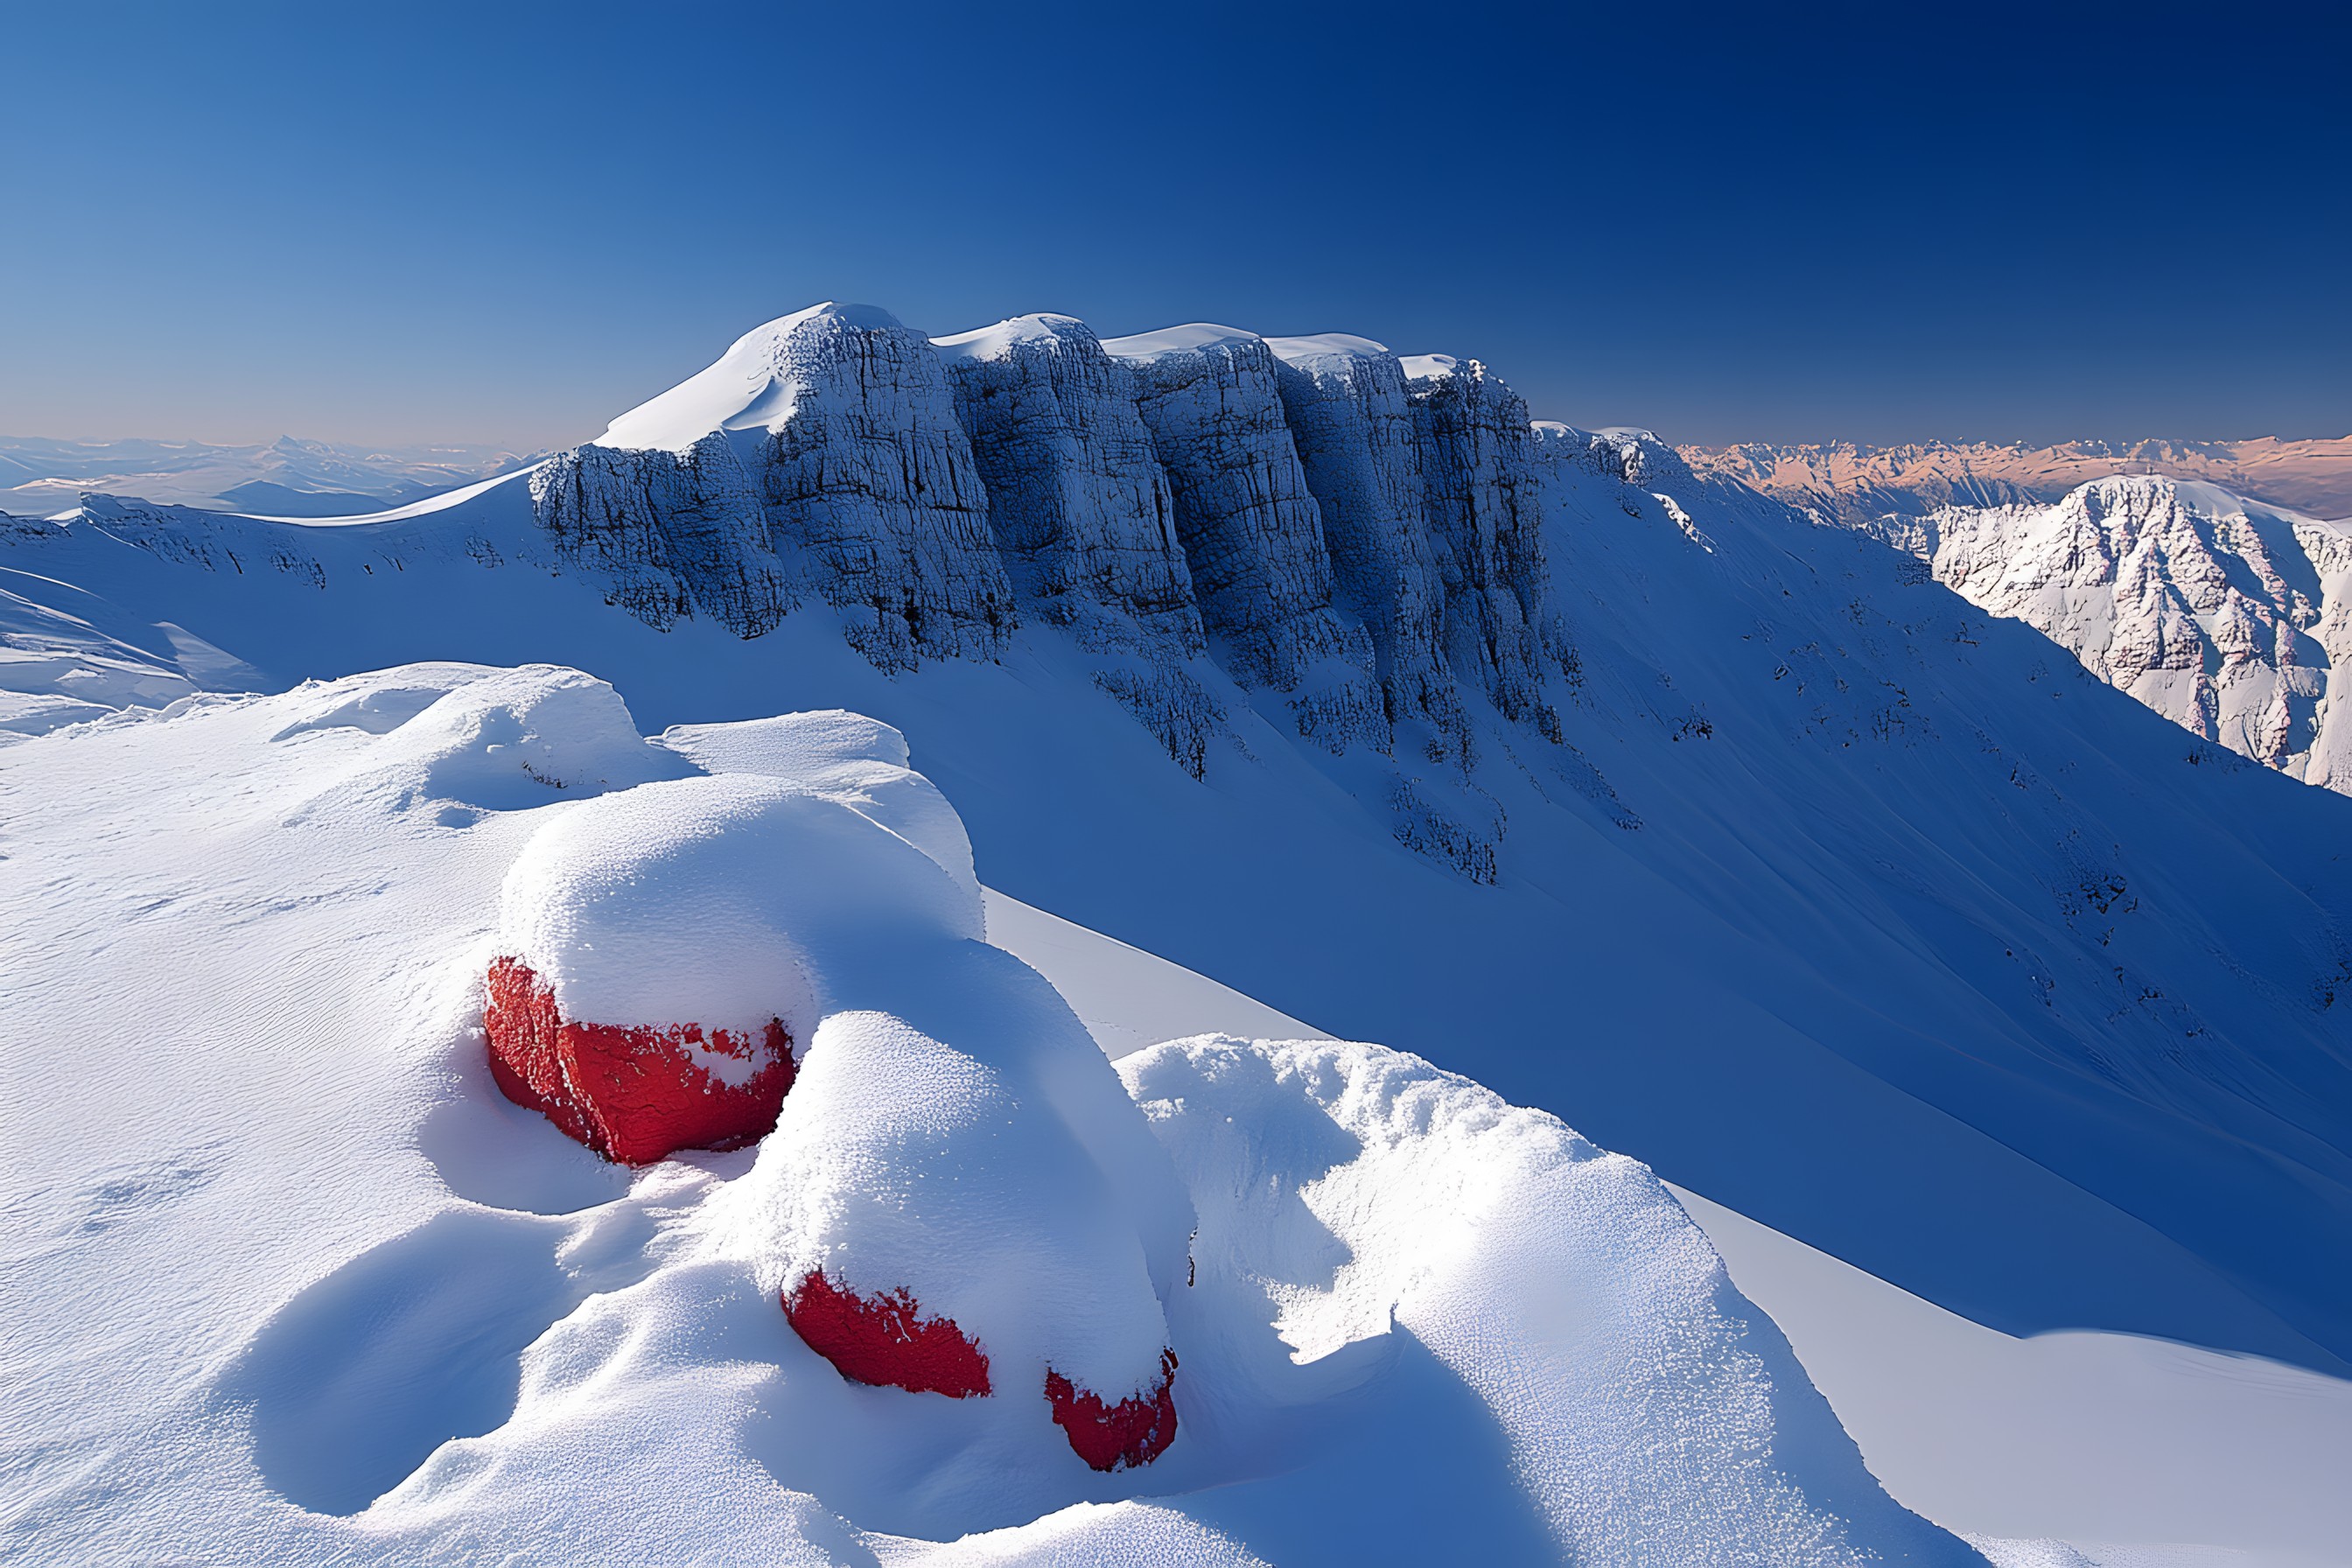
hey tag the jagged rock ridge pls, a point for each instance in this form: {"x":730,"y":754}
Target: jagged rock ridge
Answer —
{"x":2225,"y":616}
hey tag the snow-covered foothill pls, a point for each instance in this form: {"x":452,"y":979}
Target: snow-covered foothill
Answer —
{"x":1081,"y":507}
{"x":422,"y":1325}
{"x":1861,"y":486}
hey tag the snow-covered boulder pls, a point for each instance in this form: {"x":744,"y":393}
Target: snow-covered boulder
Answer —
{"x":971,"y":1206}
{"x":1251,"y":533}
{"x":1485,"y":530}
{"x":848,"y":429}
{"x":644,"y":997}
{"x":1081,"y":507}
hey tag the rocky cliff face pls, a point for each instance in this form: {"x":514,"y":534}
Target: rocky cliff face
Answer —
{"x":1484,"y":527}
{"x":1345,"y":401}
{"x":1358,"y":540}
{"x":675,"y":533}
{"x":867,"y":472}
{"x":1081,"y":507}
{"x":845,"y":452}
{"x":1251,"y":529}
{"x":2225,"y":616}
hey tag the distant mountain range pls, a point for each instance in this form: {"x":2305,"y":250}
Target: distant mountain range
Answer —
{"x":285,"y":478}
{"x":1852,"y":483}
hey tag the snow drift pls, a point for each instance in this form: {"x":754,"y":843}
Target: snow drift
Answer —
{"x":409,"y":1321}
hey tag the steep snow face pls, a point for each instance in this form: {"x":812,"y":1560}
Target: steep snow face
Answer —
{"x":421,"y":1325}
{"x":1251,"y":529}
{"x":851,"y":444}
{"x":1075,"y":493}
{"x":1485,"y":529}
{"x":1345,"y":400}
{"x":2227,"y":616}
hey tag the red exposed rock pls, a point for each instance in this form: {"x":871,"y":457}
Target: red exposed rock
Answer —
{"x":885,"y":1341}
{"x":633,"y":1093}
{"x":1133,"y":1432}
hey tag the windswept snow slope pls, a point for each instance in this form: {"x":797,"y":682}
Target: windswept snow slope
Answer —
{"x":286,"y":1280}
{"x":1834,"y":898}
{"x":2131,"y":1451}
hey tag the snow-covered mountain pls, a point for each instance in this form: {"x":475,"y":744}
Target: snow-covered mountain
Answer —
{"x":2226,"y":616}
{"x":1857,"y":484}
{"x":285,"y":477}
{"x":1736,"y":842}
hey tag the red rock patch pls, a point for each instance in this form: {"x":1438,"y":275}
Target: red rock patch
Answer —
{"x":885,"y":1341}
{"x":632,"y":1093}
{"x":1133,"y":1432}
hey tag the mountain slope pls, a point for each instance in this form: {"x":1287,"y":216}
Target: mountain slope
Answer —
{"x":1831,"y":899}
{"x":2225,"y":616}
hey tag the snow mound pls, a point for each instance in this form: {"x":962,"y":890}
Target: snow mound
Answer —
{"x":1326,"y":350}
{"x":706,"y":899}
{"x":860,"y":762}
{"x":1650,"y":1415}
{"x":994,"y":343}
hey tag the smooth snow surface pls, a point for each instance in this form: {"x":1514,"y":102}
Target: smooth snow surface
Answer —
{"x":1177,"y":340}
{"x":382,"y":1315}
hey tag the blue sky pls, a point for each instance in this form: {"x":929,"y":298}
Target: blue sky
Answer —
{"x":506,"y":222}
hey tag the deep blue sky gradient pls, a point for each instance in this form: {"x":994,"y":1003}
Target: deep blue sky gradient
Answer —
{"x":507,"y":222}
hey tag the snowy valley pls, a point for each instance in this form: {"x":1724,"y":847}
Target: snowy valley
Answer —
{"x":1602,"y":793}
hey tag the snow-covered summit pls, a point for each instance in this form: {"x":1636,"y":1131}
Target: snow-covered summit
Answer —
{"x":753,"y":385}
